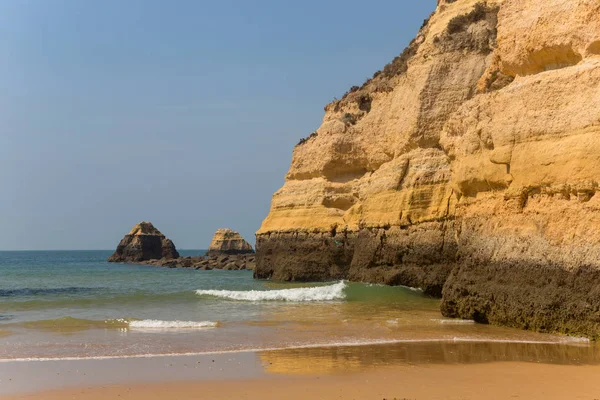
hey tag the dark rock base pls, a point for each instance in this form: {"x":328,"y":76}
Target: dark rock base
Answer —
{"x":544,"y":298}
{"x":530,"y":293}
{"x":417,"y":256}
{"x":146,"y":248}
{"x":225,"y":262}
{"x":303,"y":256}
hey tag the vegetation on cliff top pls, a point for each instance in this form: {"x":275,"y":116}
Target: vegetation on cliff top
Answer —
{"x":459,"y":37}
{"x":306,"y":139}
{"x":381,"y":80}
{"x":456,"y":37}
{"x":461,"y":22}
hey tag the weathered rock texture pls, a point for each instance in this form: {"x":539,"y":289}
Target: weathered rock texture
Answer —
{"x":468,"y":166}
{"x":228,"y":242}
{"x":144,"y":242}
{"x":231,"y":262}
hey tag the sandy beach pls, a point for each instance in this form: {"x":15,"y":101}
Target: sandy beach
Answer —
{"x":490,"y":381}
{"x":301,"y":374}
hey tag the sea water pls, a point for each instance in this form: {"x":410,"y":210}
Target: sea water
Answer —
{"x":74,"y":304}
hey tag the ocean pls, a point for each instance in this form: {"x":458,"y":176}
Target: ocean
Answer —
{"x":75,"y":305}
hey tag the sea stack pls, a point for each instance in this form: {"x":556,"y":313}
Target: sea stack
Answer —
{"x":144,"y":243}
{"x":228,"y":242}
{"x":468,"y":167}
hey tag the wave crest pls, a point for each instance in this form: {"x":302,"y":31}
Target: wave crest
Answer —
{"x":319,"y":293}
{"x":454,"y":321}
{"x":70,"y":324}
{"x":158,"y":324}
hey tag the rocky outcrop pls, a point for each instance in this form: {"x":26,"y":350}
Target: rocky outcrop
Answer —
{"x":146,"y":245}
{"x":232,"y":262}
{"x":228,"y":242}
{"x":144,"y":242}
{"x":468,"y":166}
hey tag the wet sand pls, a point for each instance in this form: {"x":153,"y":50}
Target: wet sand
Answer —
{"x":407,"y":371}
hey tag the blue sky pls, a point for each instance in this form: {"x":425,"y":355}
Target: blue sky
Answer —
{"x":184,"y":113}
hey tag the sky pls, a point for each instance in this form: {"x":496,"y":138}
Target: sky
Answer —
{"x":183,"y":113}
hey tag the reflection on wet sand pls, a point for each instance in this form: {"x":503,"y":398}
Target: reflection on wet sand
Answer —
{"x":349,"y":359}
{"x":5,"y":333}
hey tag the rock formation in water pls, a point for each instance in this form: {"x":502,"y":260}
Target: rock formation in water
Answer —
{"x":468,"y":167}
{"x":143,"y":243}
{"x":228,"y":242}
{"x":146,"y":245}
{"x":227,"y":262}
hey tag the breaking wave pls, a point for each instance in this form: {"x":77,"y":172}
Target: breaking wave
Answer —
{"x":158,"y":324}
{"x":71,"y":324}
{"x":319,"y":293}
{"x":454,"y":321}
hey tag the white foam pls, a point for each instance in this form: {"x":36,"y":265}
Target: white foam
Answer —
{"x":158,"y":324}
{"x":454,"y":321}
{"x":576,"y":339}
{"x":320,"y":293}
{"x":413,"y":289}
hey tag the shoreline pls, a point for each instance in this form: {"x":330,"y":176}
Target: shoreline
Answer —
{"x":565,"y":341}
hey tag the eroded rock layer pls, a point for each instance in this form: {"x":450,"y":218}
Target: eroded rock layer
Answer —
{"x":233,"y":262}
{"x":143,"y":243}
{"x":468,"y":166}
{"x":228,"y":242}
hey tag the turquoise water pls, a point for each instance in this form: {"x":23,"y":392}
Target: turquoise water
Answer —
{"x":74,"y":304}
{"x":81,"y":284}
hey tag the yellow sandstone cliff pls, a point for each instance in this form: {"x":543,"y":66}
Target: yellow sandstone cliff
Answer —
{"x":227,"y":241}
{"x":468,"y":166}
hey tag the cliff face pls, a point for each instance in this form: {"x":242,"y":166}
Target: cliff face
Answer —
{"x":525,"y":161}
{"x":468,"y":166}
{"x":143,"y":243}
{"x":369,"y":196}
{"x":228,"y":242}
